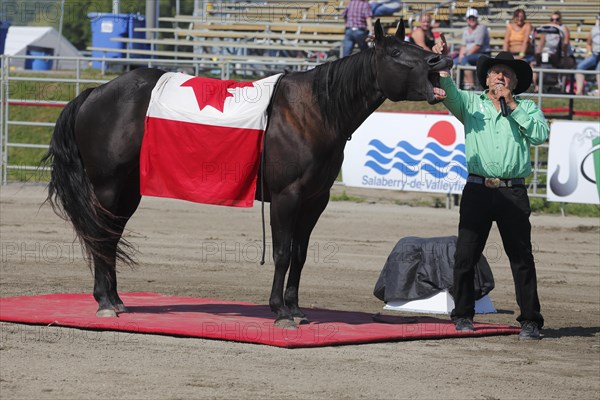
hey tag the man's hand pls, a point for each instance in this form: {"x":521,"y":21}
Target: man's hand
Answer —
{"x":502,"y":91}
{"x":441,"y":47}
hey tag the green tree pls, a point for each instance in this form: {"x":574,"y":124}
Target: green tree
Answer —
{"x":76,"y":24}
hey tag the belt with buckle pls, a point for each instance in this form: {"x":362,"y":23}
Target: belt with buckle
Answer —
{"x":357,"y":29}
{"x":495,"y":183}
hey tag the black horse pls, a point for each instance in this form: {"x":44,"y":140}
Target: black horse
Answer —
{"x":95,"y":155}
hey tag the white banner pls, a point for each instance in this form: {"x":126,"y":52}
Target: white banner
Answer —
{"x":413,"y":152}
{"x":574,"y":162}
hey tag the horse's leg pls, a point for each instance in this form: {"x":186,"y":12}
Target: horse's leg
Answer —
{"x":284,"y":207}
{"x":307,"y":219}
{"x":105,"y":282}
{"x":121,"y":201}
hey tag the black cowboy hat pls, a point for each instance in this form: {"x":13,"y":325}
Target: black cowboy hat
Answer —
{"x":521,"y":68}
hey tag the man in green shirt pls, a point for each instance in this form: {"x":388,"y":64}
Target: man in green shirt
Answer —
{"x":497,"y":146}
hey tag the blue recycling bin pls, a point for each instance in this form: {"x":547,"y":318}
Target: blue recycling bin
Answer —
{"x":39,"y":64}
{"x":106,"y":26}
{"x":4,"y":25}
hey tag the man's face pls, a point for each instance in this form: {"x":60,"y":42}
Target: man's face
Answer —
{"x":472,"y":22}
{"x":501,"y":75}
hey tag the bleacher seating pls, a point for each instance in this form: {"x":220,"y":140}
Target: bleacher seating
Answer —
{"x":313,"y":30}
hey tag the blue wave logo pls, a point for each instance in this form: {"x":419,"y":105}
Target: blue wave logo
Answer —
{"x":410,"y":161}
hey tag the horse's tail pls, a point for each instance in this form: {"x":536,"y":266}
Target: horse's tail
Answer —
{"x":71,"y":195}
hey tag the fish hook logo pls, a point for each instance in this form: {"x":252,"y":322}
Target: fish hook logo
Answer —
{"x":591,"y":156}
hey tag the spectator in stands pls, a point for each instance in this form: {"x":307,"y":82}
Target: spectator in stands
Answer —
{"x":549,"y":43}
{"x":554,"y":48}
{"x":517,"y":39}
{"x":497,"y":147}
{"x":592,"y":61}
{"x":359,"y":25}
{"x":423,"y":35}
{"x":475,"y":42}
{"x":382,"y":8}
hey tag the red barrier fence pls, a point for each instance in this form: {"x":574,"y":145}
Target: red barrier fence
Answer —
{"x":550,"y":110}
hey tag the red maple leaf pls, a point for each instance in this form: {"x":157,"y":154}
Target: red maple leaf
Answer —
{"x":213,"y":92}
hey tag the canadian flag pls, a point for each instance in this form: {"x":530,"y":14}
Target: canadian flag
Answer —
{"x":203,"y":139}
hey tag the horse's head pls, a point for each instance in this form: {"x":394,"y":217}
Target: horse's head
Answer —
{"x":405,"y":71}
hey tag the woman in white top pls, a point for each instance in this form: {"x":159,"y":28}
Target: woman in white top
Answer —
{"x":549,"y":44}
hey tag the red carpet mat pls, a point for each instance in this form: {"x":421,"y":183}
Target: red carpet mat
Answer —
{"x":226,"y":320}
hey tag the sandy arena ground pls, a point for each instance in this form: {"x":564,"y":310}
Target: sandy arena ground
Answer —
{"x":206,"y":251}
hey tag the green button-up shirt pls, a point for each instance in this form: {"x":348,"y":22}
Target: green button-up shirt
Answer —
{"x":496,"y":146}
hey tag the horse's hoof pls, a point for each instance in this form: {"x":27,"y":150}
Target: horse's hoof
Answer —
{"x":105,"y":313}
{"x":120,"y":307}
{"x":285,"y":323}
{"x":301,"y":320}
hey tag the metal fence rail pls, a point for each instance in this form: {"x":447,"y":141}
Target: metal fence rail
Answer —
{"x":8,"y":78}
{"x":222,"y":68}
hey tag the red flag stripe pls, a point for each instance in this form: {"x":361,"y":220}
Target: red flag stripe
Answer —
{"x":200,"y":163}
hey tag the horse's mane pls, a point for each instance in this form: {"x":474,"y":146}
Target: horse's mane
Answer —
{"x":339,"y":83}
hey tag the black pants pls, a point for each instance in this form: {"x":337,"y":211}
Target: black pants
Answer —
{"x":509,"y":207}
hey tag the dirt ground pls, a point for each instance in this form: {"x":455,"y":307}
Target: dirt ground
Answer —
{"x":207,"y":251}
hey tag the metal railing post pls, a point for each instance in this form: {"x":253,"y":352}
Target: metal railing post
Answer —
{"x":3,"y":61}
{"x":536,"y":152}
{"x":4,"y":127}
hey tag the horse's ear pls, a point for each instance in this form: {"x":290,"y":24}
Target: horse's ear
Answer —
{"x":400,"y":33}
{"x":378,"y":31}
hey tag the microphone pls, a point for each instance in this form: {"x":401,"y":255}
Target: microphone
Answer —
{"x":503,"y":107}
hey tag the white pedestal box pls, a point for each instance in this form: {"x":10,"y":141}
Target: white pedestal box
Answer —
{"x":440,"y":303}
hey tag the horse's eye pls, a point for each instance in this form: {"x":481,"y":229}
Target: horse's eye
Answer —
{"x":395,"y":53}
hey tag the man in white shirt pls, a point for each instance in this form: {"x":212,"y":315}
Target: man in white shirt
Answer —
{"x":475,"y":42}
